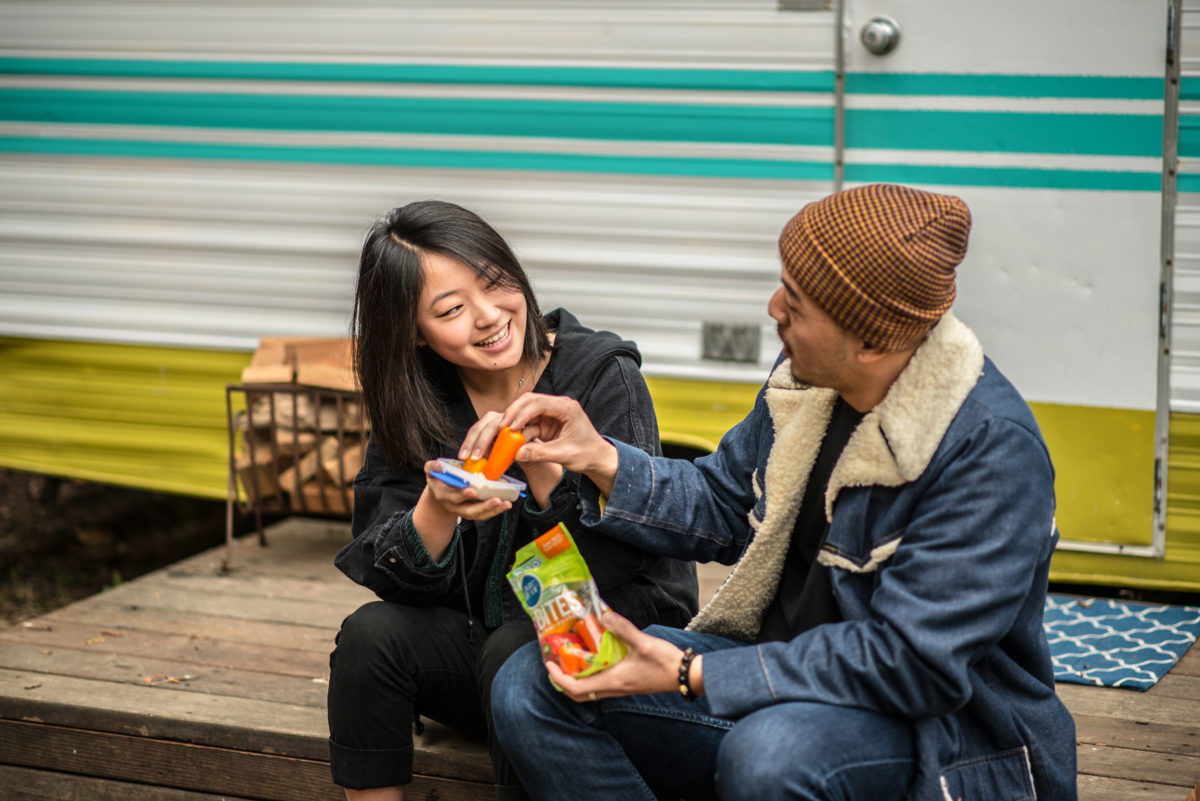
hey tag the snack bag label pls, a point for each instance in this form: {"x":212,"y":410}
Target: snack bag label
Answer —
{"x":556,"y":589}
{"x":531,"y":591}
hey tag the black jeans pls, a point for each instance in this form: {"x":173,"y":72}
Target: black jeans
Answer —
{"x":393,"y":662}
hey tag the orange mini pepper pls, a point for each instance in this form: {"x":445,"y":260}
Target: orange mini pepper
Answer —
{"x":504,"y":450}
{"x":590,"y":631}
{"x":567,"y":650}
{"x":474,"y":464}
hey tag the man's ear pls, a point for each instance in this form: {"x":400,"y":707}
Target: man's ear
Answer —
{"x":868,"y":354}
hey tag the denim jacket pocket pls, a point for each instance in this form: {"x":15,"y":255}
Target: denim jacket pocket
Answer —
{"x":859,"y":557}
{"x":1003,"y":776}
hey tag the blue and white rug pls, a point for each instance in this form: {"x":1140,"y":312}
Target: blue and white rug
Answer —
{"x":1111,"y":643}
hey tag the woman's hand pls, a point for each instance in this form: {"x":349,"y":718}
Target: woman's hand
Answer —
{"x":455,"y":502}
{"x":651,"y":666}
{"x":479,"y":438}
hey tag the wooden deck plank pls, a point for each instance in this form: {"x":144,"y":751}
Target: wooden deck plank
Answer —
{"x":152,"y":594}
{"x":193,"y":649}
{"x":191,"y":767}
{"x":1115,"y":702}
{"x":1189,"y":664}
{"x":1173,"y":685}
{"x":166,"y":674}
{"x":120,"y":617}
{"x":1139,"y":765}
{"x":28,"y":784}
{"x":344,"y":593}
{"x":1104,"y":788}
{"x":154,"y":711}
{"x":1140,"y":735}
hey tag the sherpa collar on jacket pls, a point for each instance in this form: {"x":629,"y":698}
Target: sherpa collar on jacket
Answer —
{"x":892,"y":445}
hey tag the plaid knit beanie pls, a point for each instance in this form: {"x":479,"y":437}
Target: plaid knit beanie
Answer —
{"x":879,"y":259}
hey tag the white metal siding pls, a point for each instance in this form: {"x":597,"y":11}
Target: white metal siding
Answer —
{"x":218,"y":253}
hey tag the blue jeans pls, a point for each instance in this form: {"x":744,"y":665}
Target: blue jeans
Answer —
{"x":628,"y":749}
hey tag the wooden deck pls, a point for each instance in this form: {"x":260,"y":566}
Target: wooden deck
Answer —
{"x":191,"y":685}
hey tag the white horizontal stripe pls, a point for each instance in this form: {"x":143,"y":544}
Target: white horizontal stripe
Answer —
{"x":511,"y":144}
{"x":1044,"y":105}
{"x":582,"y":94}
{"x":635,"y":61}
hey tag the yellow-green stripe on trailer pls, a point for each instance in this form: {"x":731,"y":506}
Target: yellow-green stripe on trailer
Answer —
{"x":154,"y":418}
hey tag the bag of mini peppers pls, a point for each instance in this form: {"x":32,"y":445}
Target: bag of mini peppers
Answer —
{"x":557,"y":590}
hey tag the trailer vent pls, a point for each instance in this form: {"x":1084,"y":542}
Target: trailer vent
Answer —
{"x":730,"y":342}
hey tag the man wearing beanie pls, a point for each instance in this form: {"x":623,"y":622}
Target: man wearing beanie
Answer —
{"x":889,"y":506}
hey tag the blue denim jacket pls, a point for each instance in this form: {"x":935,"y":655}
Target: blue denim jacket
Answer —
{"x":941,"y":511}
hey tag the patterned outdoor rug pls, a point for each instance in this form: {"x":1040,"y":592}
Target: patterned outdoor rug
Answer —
{"x":1112,"y":643}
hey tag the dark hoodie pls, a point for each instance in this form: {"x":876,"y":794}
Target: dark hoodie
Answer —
{"x":599,"y":370}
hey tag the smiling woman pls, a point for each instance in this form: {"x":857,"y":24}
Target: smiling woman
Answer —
{"x":476,"y":323}
{"x":448,"y":334}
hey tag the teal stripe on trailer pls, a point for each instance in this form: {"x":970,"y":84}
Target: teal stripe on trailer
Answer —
{"x":551,"y":162}
{"x":1005,"y":132}
{"x":820,"y":81}
{"x":1189,"y":136}
{"x":1017,"y":86}
{"x":1189,"y":88}
{"x":889,"y":129}
{"x":442,"y":159}
{"x":752,"y":124}
{"x":1008,"y":177}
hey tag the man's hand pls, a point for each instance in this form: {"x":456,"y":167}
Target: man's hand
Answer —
{"x":558,"y":430}
{"x":651,"y":666}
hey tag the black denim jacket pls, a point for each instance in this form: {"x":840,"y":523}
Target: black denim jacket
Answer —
{"x":600,"y":371}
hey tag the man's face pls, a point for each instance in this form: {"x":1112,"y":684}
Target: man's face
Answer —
{"x":822,"y":352}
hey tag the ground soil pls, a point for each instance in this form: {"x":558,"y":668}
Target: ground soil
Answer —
{"x":62,"y":540}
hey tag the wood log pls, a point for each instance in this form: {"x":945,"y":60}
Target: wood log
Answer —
{"x":257,"y":476}
{"x":321,"y":497}
{"x":268,"y":374}
{"x":343,"y":467}
{"x":305,"y":469}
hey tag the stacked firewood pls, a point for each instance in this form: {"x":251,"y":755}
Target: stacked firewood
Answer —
{"x":302,"y":434}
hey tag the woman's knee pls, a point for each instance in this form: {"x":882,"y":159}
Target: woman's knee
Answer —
{"x":380,"y":636}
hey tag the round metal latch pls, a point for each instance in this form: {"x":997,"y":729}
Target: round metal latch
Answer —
{"x":881,"y":35}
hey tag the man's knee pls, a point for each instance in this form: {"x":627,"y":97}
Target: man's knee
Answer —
{"x":753,"y":758}
{"x":815,"y":751}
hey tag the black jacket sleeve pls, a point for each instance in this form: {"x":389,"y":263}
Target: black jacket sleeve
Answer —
{"x":386,"y":554}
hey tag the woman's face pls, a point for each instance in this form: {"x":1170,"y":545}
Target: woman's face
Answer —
{"x":467,"y":322}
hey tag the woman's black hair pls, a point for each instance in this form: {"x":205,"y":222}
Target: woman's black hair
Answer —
{"x":408,"y":417}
